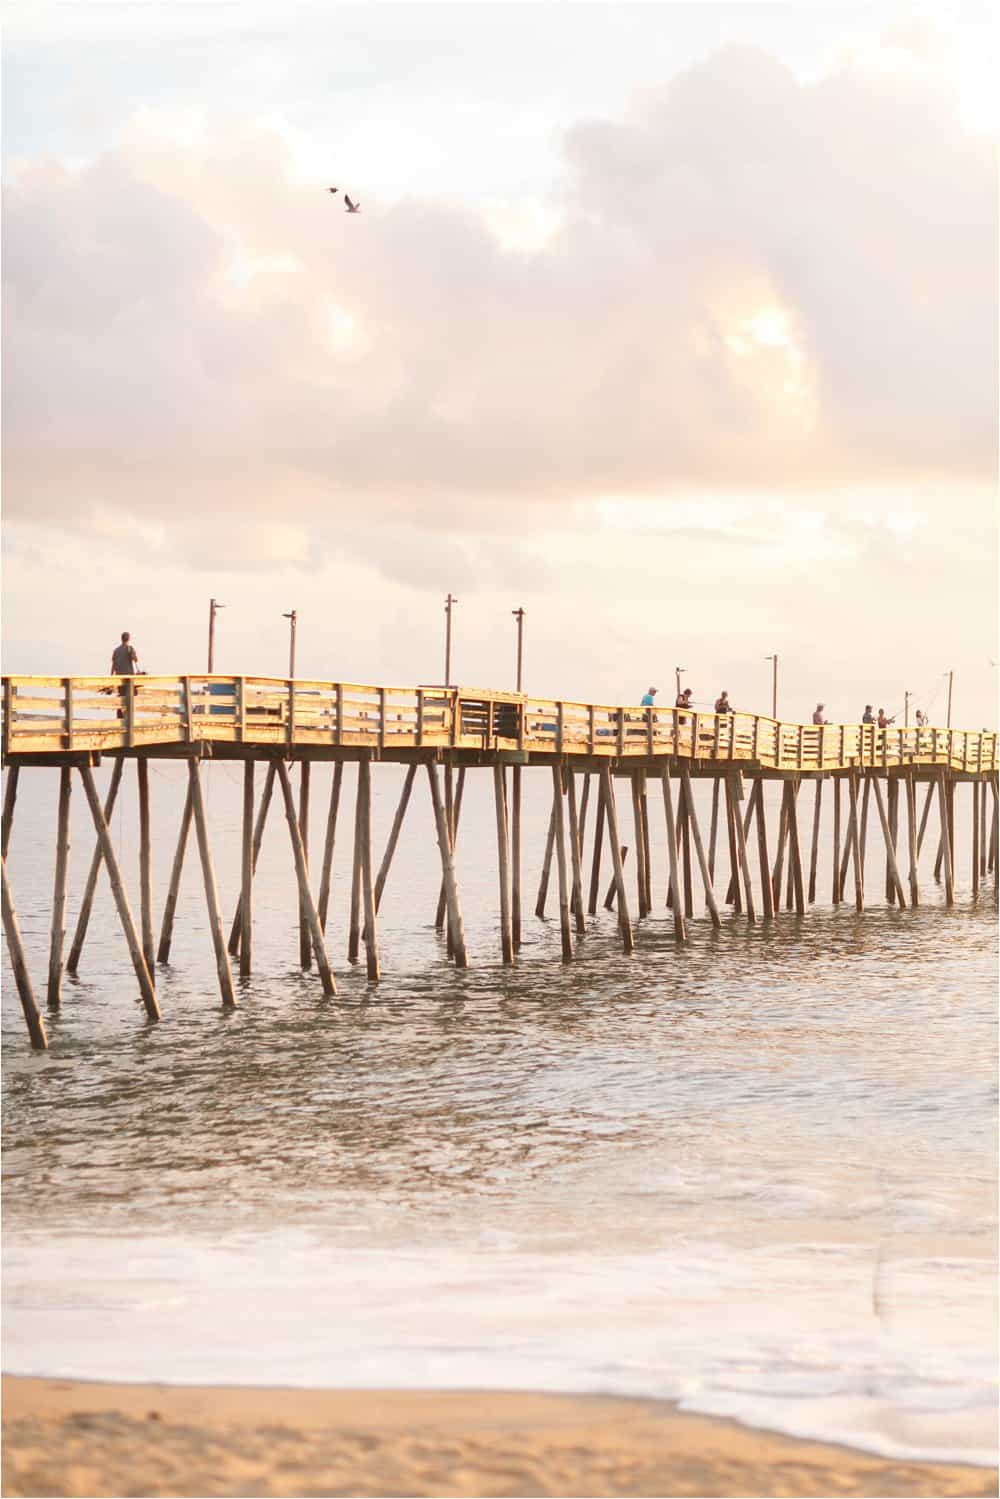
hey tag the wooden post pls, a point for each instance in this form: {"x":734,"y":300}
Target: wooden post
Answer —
{"x":949,"y":884}
{"x":326,"y":874}
{"x":370,"y":931}
{"x":983,"y":840}
{"x":732,"y":797}
{"x":611,"y":821}
{"x":647,"y":862}
{"x":975,"y":840}
{"x":795,"y":852}
{"x":706,"y":878}
{"x":246,"y":873}
{"x":58,"y":933}
{"x":305,"y":954}
{"x":170,"y":908}
{"x":855,"y":843}
{"x":595,"y":867}
{"x":302,"y":877}
{"x":612,"y":892}
{"x":515,"y":854}
{"x":15,"y":948}
{"x":393,"y":839}
{"x":354,"y":925}
{"x":864,"y":810}
{"x":543,"y":883}
{"x":766,"y":887}
{"x":503,"y":864}
{"x":837,"y":889}
{"x":560,"y":842}
{"x":911,"y":828}
{"x":575,"y":840}
{"x":448,"y":869}
{"x":931,"y":788}
{"x":640,"y":872}
{"x":685,"y":840}
{"x":450,"y":818}
{"x":118,"y":890}
{"x":145,"y":864}
{"x":779,"y":857}
{"x":236,"y":931}
{"x":994,"y":857}
{"x":9,"y":798}
{"x":814,"y":846}
{"x":673,"y":877}
{"x":86,"y":905}
{"x":890,"y":852}
{"x":714,"y":827}
{"x":453,"y":816}
{"x":211,"y":893}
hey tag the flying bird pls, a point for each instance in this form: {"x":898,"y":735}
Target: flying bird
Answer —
{"x":331,"y":189}
{"x":352,"y":207}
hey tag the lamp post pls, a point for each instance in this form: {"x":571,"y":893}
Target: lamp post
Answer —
{"x":213,"y":608}
{"x":677,"y":679}
{"x":774,"y":684}
{"x":519,"y":616}
{"x":906,"y":709}
{"x":449,"y":601}
{"x":951,"y":682}
{"x":292,"y":617}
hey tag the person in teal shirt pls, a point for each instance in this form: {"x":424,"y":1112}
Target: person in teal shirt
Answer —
{"x":647,"y":701}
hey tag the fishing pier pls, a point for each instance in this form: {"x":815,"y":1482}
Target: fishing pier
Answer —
{"x":590,"y":751}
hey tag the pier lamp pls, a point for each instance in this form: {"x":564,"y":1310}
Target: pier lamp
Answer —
{"x":213,"y":607}
{"x":292,"y":617}
{"x":678,"y":670}
{"x":519,"y":616}
{"x":449,"y":601}
{"x":774,"y":684}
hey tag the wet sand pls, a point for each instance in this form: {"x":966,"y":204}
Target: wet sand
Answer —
{"x":68,"y":1437}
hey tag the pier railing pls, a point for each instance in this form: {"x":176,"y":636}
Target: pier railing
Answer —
{"x":59,"y":715}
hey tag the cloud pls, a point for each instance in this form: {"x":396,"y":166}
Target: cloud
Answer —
{"x":748,"y":283}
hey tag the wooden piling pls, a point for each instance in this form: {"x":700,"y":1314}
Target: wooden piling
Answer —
{"x":975,"y":840}
{"x":911,"y":828}
{"x":647,"y":862}
{"x":575,"y":840}
{"x":890,"y":852}
{"x":611,"y":895}
{"x":713,"y":829}
{"x":145,"y":864}
{"x":9,"y":799}
{"x":560,"y":846}
{"x":305,"y":945}
{"x":855,"y":842}
{"x":236,"y":930}
{"x":118,"y":890}
{"x":892,"y":822}
{"x":367,"y":886}
{"x":515,"y":856}
{"x":795,"y":851}
{"x":946,"y":845}
{"x":983,"y":839}
{"x":246,"y":873}
{"x":640,"y":869}
{"x":89,"y":889}
{"x":814,"y":845}
{"x":706,"y":878}
{"x":595,"y":867}
{"x":453,"y":816}
{"x":543,"y":883}
{"x":15,"y":950}
{"x":779,"y":857}
{"x":173,"y":889}
{"x":503,"y":865}
{"x":733,"y":896}
{"x":766,"y":887}
{"x":931,"y":788}
{"x":58,"y":930}
{"x":733,"y":788}
{"x":354,"y":923}
{"x":454,"y":909}
{"x":673,"y":873}
{"x":302,"y":878}
{"x":394,"y":832}
{"x":329,"y":842}
{"x":837,"y":893}
{"x":211,"y":892}
{"x":611,"y":822}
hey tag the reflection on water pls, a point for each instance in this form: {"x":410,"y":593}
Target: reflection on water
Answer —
{"x":758,"y":1173}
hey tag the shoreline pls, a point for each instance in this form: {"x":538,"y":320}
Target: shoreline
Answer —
{"x":76,"y":1437}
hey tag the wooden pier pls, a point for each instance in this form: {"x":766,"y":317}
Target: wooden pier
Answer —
{"x":67,"y":723}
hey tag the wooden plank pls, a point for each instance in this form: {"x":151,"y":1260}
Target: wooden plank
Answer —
{"x":58,"y":929}
{"x":211,"y":892}
{"x":15,"y":950}
{"x":302,"y":878}
{"x":87,"y":903}
{"x":449,"y":879}
{"x":118,"y":890}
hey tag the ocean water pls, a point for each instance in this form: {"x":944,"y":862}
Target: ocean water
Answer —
{"x":756,"y":1175}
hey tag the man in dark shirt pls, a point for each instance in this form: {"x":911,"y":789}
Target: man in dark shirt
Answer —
{"x":124,"y":658}
{"x":722,"y":703}
{"x":867,"y":715}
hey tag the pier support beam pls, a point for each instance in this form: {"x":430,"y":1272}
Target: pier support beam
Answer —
{"x":766,"y":887}
{"x":733,"y":793}
{"x":946,"y":844}
{"x":87,"y":904}
{"x":354,"y":923}
{"x":394,"y":832}
{"x":706,"y":878}
{"x":305,"y":945}
{"x":236,"y":930}
{"x":302,"y":876}
{"x":575,"y":840}
{"x":854,"y":838}
{"x":455,"y":924}
{"x":367,"y":887}
{"x":673,"y":875}
{"x":890,"y":852}
{"x":640,"y":852}
{"x":58,"y":932}
{"x":795,"y":851}
{"x":118,"y":890}
{"x":245,"y":943}
{"x":503,"y":864}
{"x":170,"y":909}
{"x":714,"y":828}
{"x":837,"y":892}
{"x":15,"y":949}
{"x":515,"y":856}
{"x":611,"y":821}
{"x":595,"y":867}
{"x":543,"y":883}
{"x":453,"y":813}
{"x":911,"y":829}
{"x":145,"y":864}
{"x":975,"y":839}
{"x":9,"y":800}
{"x":560,"y":844}
{"x":211,"y":892}
{"x":814,"y":846}
{"x":326,"y":874}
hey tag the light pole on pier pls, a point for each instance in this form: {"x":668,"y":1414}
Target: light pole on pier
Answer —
{"x":951,"y":682}
{"x":774,"y":684}
{"x":519,"y":616}
{"x":677,"y":679}
{"x":906,"y":709}
{"x":293,"y":618}
{"x":213,"y":608}
{"x":449,"y":601}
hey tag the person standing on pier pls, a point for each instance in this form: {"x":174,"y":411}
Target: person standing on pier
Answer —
{"x":722,"y":703}
{"x":124,"y":658}
{"x":683,"y":699}
{"x":884,"y":722}
{"x":818,"y":715}
{"x":647,"y":698}
{"x":867,"y":717}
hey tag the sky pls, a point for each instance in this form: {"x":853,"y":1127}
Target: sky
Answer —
{"x":674,"y":324}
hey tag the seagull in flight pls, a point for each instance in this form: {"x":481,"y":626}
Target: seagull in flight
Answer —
{"x":352,"y":207}
{"x":331,"y":189}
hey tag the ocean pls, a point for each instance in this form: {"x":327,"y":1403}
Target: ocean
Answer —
{"x":756,"y":1175}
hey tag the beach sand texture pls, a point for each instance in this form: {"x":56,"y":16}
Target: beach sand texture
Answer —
{"x":67,"y":1437}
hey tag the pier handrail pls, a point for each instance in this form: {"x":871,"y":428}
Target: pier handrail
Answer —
{"x":50,"y":715}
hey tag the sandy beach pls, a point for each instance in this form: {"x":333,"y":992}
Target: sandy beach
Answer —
{"x":67,"y":1437}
